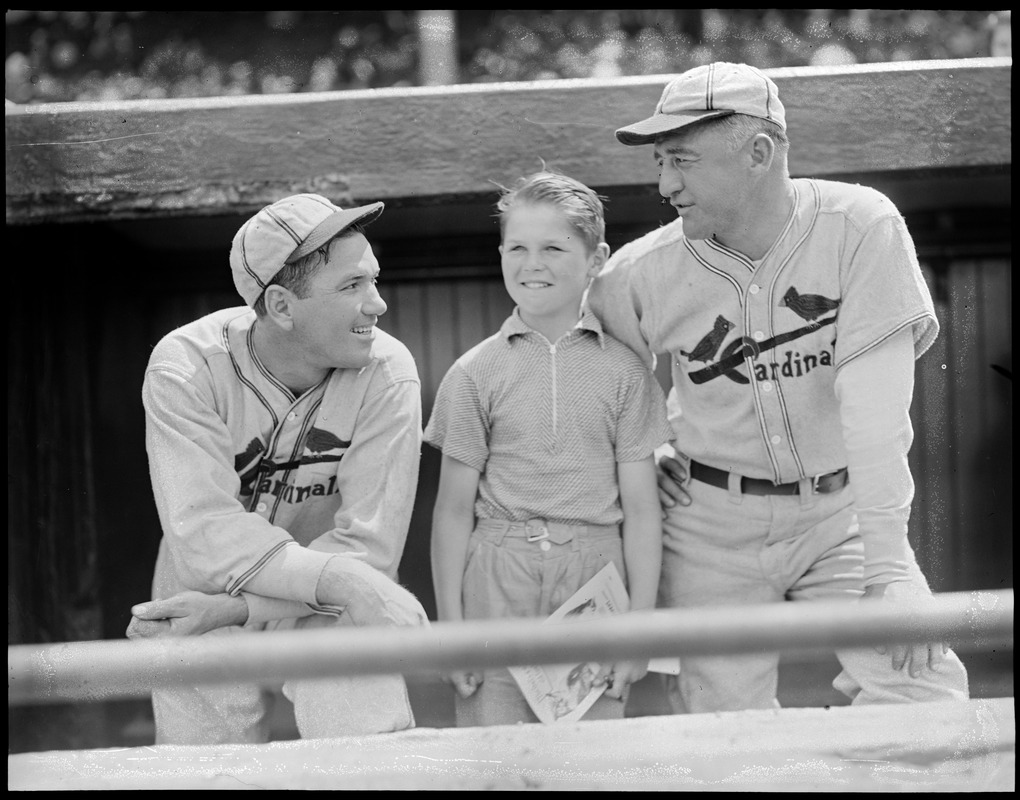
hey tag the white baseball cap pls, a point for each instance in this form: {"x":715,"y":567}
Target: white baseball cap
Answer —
{"x":712,"y":90}
{"x":285,"y":231}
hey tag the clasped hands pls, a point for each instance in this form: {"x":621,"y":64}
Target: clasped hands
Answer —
{"x":367,"y":596}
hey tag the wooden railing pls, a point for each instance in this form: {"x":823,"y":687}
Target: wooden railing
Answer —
{"x":159,"y":158}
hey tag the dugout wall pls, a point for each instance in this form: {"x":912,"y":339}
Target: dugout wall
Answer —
{"x":120,"y":216}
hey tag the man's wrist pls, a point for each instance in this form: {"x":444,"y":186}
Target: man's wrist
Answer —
{"x":242,"y":610}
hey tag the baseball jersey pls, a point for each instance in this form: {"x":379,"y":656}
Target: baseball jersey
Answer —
{"x":546,"y":423}
{"x":251,"y":480}
{"x":755,"y":346}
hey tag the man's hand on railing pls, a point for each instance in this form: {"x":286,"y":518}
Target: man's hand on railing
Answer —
{"x":186,"y":614}
{"x":914,"y":657}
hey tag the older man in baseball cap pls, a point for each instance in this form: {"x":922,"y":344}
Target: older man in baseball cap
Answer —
{"x":707,"y":92}
{"x":792,"y":311}
{"x":283,"y":440}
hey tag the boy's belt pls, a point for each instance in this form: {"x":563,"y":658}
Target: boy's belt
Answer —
{"x":820,"y":484}
{"x":536,"y":530}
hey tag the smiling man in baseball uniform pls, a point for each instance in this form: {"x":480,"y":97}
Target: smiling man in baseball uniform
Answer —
{"x":284,"y":440}
{"x":792,"y":311}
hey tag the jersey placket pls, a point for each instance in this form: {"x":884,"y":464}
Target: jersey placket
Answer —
{"x":782,"y":447}
{"x":287,"y":438}
{"x":295,"y":434}
{"x":769,"y":401}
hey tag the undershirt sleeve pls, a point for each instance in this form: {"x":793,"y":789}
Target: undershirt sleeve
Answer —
{"x":874,"y":393}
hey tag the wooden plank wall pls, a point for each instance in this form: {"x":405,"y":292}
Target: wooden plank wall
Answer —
{"x":75,"y":161}
{"x":962,"y":456}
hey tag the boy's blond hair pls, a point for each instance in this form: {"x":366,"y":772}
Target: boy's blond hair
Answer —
{"x":580,"y":205}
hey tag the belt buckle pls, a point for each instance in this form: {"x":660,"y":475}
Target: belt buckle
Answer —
{"x":542,"y":527}
{"x":817,"y":479}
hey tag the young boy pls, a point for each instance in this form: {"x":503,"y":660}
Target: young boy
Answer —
{"x":547,"y":430}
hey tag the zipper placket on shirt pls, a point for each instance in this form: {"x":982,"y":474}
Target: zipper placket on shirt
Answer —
{"x":552,"y":364}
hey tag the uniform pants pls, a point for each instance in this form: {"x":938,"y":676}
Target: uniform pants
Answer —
{"x":508,"y":576}
{"x":728,"y":548}
{"x":323,"y":707}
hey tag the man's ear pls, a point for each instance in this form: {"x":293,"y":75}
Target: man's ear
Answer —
{"x":280,"y":306}
{"x":762,"y":151}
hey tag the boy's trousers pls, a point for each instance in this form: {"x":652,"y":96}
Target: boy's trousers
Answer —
{"x":506,"y":575}
{"x":729,"y":548}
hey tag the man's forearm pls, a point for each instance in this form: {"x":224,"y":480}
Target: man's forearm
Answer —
{"x":874,"y":392}
{"x":187,"y":614}
{"x":266,"y":609}
{"x":366,"y":595}
{"x":291,"y":574}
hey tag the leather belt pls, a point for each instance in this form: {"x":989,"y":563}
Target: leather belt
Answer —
{"x":538,"y":530}
{"x":821,"y":484}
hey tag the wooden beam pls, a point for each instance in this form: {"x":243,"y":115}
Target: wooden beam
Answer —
{"x":422,"y":146}
{"x":110,"y":670}
{"x":954,"y":746}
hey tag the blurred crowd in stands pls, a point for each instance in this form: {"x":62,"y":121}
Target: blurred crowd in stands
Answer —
{"x":56,"y":56}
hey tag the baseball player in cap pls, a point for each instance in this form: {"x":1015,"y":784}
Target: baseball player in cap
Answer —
{"x":792,"y":311}
{"x":283,"y":441}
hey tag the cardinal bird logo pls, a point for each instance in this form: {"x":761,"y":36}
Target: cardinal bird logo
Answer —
{"x":807,"y":306}
{"x":246,"y":464}
{"x":322,"y":446}
{"x":706,"y":349}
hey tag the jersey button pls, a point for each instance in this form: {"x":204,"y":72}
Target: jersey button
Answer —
{"x":767,"y":386}
{"x":754,"y":288}
{"x":545,"y":546}
{"x":777,"y":439}
{"x":758,"y":336}
{"x":260,"y":507}
{"x":292,"y":415}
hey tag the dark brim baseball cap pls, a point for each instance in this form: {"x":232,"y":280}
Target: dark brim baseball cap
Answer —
{"x":648,"y":130}
{"x":336,"y":223}
{"x":706,"y":92}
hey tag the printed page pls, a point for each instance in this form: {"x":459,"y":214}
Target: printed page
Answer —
{"x":565,"y":692}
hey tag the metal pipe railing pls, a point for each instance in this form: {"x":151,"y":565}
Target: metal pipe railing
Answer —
{"x":112,"y":670}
